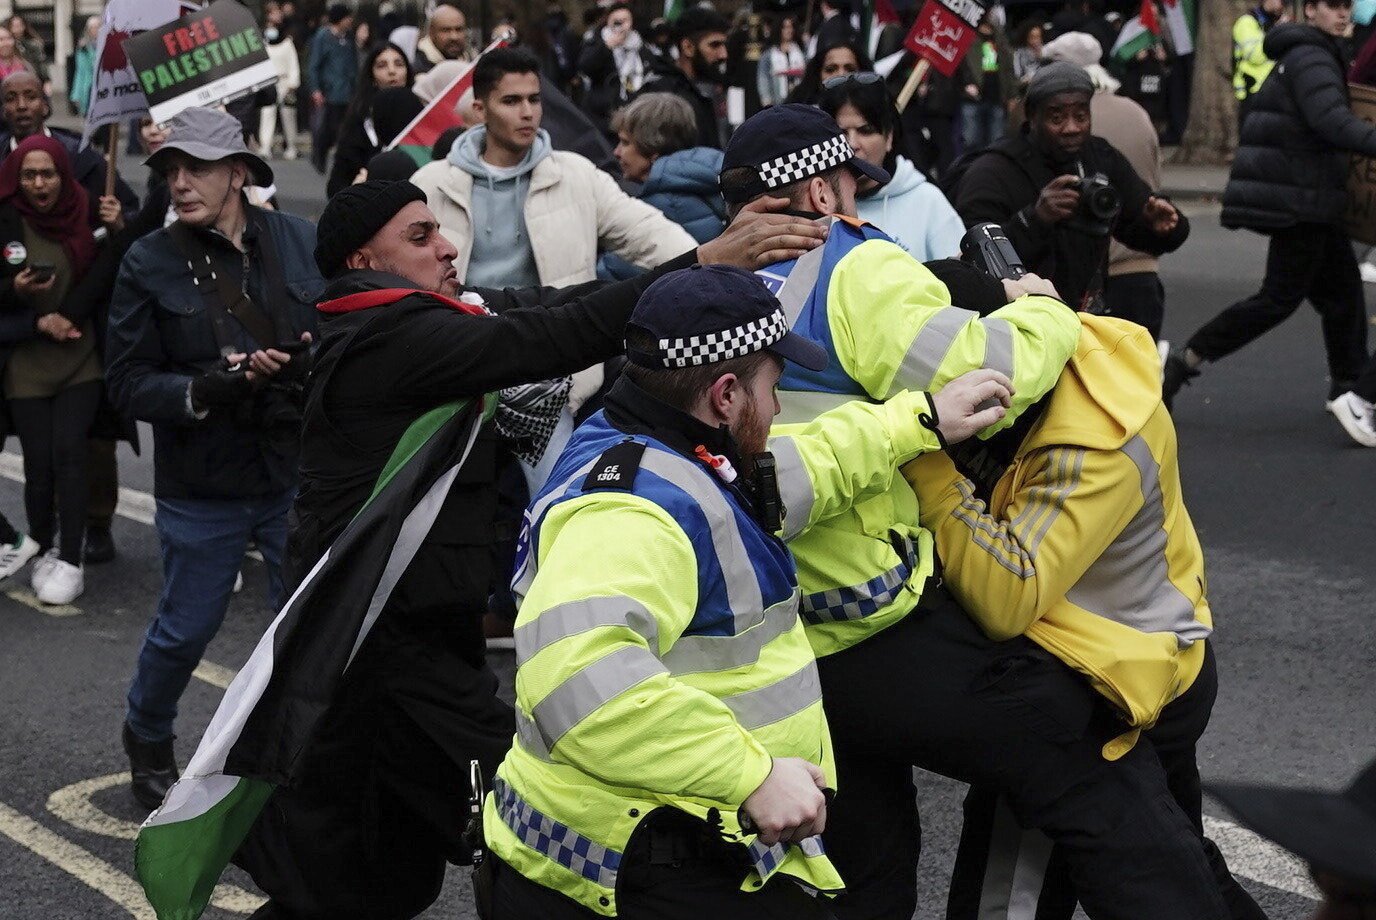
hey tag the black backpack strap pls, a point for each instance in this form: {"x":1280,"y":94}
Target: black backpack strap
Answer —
{"x":616,"y":468}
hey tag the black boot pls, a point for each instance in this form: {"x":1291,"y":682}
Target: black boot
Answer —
{"x":100,"y":545}
{"x":153,"y":767}
{"x":1175,"y":374}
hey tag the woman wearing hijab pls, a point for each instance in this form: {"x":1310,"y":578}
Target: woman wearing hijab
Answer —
{"x":366,"y":126}
{"x":52,"y":378}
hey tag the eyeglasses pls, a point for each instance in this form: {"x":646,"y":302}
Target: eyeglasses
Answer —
{"x":864,"y":78}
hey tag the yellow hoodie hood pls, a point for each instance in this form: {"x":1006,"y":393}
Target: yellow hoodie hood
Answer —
{"x":1108,"y":390}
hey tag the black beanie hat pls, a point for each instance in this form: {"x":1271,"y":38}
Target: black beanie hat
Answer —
{"x":354,"y":216}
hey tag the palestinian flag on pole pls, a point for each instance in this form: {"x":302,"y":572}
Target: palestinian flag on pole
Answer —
{"x":271,"y":710}
{"x":1139,"y":33}
{"x":439,"y":116}
{"x":673,"y":9}
{"x":877,"y":15}
{"x":1182,"y":21}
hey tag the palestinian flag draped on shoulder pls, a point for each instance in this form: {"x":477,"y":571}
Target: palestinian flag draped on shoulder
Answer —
{"x":271,"y":710}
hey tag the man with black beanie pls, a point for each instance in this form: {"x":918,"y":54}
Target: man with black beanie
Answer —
{"x":1059,"y":192}
{"x":377,"y":801}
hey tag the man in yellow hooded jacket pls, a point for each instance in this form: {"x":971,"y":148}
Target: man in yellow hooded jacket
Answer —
{"x":1069,"y":528}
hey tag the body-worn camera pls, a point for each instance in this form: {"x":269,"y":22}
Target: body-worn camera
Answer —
{"x":1099,"y":206}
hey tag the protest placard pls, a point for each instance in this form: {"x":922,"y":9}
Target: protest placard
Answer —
{"x":214,"y":55}
{"x":116,"y":95}
{"x":944,"y":31}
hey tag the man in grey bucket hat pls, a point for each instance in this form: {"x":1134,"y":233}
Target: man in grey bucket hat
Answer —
{"x":210,"y":323}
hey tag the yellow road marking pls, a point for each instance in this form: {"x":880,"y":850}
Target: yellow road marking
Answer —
{"x":29,"y":599}
{"x":76,"y":861}
{"x":73,"y":805}
{"x":217,"y":675}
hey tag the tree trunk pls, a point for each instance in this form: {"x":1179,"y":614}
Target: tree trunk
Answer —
{"x":1211,"y":136}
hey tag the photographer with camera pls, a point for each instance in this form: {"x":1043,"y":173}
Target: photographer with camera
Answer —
{"x":1060,"y":193}
{"x":210,"y":323}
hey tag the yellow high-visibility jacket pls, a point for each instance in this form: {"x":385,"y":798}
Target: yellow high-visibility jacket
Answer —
{"x":1251,"y":66}
{"x":661,"y":660}
{"x":1086,"y":547}
{"x":888,"y":325}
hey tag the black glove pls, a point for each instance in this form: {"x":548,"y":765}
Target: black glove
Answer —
{"x":220,"y":388}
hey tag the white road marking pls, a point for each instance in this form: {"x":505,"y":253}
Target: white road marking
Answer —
{"x":26,"y":597}
{"x":217,"y":675}
{"x":1260,"y":860}
{"x":73,"y":805}
{"x":76,"y":861}
{"x":133,"y":504}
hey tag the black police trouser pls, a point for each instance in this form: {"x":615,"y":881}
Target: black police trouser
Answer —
{"x":1138,"y":297}
{"x":932,"y":691}
{"x":671,"y":870}
{"x":998,"y":866}
{"x":1313,"y":261}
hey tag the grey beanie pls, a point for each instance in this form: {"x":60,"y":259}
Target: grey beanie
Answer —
{"x":1056,"y":78}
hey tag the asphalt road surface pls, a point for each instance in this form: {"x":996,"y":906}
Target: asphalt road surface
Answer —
{"x":1277,"y":492}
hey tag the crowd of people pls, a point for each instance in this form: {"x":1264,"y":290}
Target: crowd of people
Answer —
{"x":696,"y":288}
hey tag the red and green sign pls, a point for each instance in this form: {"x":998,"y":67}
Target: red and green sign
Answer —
{"x":208,"y":57}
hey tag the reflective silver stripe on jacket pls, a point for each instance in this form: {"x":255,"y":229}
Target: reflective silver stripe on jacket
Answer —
{"x":1129,"y":583}
{"x":777,"y":701}
{"x":933,"y":342}
{"x":741,"y":582}
{"x":695,"y":654}
{"x":795,"y":485}
{"x":584,"y":691}
{"x":574,"y":617}
{"x":798,"y":407}
{"x":798,"y":285}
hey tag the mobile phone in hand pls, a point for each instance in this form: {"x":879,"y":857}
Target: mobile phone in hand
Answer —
{"x":292,"y":348}
{"x":42,"y":271}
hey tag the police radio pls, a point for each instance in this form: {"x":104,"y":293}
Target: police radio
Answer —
{"x":987,"y":247}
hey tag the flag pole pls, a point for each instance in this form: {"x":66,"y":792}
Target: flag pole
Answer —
{"x":111,"y":158}
{"x":915,"y":78}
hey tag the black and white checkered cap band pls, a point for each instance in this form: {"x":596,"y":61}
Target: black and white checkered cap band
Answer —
{"x":712,"y":347}
{"x":801,"y":164}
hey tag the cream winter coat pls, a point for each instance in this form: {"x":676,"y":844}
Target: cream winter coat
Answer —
{"x":571,"y":207}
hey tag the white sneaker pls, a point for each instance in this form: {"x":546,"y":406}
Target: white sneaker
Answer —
{"x":63,"y":583}
{"x":1368,"y":272}
{"x":1357,"y":416}
{"x":291,"y":154}
{"x":14,"y":555}
{"x":41,"y":567}
{"x":238,"y":581}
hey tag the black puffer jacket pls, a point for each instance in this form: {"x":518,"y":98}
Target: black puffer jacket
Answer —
{"x":1291,"y":164}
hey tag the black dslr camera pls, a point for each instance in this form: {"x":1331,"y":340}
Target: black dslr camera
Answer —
{"x":1099,"y":206}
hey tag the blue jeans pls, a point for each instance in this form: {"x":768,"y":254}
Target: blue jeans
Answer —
{"x":982,"y":123}
{"x":203,"y":544}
